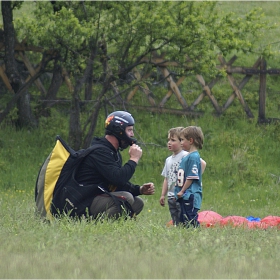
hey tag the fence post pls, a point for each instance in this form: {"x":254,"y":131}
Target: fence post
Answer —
{"x":262,"y":91}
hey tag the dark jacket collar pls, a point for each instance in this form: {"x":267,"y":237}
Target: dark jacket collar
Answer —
{"x":103,"y":141}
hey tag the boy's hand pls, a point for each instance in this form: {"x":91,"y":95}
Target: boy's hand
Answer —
{"x":162,"y":200}
{"x":180,"y":194}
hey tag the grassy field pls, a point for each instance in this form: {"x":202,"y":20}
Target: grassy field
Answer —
{"x":242,"y":178}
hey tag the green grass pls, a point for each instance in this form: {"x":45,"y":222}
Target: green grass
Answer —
{"x":129,"y":249}
{"x":240,"y":155}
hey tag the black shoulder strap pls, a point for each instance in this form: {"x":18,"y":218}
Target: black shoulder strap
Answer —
{"x":90,"y":149}
{"x":82,"y":156}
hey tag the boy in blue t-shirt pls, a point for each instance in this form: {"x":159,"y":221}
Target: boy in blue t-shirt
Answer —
{"x":188,"y":190}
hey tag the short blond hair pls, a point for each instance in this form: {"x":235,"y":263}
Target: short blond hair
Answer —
{"x":194,"y":132}
{"x":175,"y":131}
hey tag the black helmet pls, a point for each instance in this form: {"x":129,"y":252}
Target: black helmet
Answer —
{"x":116,"y":124}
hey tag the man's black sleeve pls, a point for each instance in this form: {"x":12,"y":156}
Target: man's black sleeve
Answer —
{"x":110,"y":168}
{"x":129,"y":187}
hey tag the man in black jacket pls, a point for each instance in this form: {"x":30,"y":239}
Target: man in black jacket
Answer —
{"x":104,"y":167}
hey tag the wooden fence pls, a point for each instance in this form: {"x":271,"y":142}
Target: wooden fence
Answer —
{"x":259,"y":68}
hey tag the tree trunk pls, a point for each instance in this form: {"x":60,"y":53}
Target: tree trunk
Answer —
{"x":11,"y":104}
{"x":44,"y":108}
{"x":93,"y":118}
{"x":93,"y":122}
{"x":25,"y":115}
{"x":89,"y":85}
{"x":75,"y":130}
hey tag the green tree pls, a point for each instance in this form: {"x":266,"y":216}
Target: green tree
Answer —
{"x":104,"y":41}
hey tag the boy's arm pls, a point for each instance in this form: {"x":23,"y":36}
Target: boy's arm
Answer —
{"x":186,"y":186}
{"x":203,"y":165}
{"x":163,"y":192}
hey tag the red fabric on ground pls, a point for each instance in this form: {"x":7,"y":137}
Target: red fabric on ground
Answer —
{"x":234,"y":221}
{"x":208,"y":218}
{"x":271,"y":221}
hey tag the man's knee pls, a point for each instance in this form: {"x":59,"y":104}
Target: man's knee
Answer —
{"x":128,"y":196}
{"x":136,"y":202}
{"x":105,"y":204}
{"x":138,"y":205}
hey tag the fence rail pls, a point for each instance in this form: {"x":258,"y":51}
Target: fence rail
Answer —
{"x":259,"y":68}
